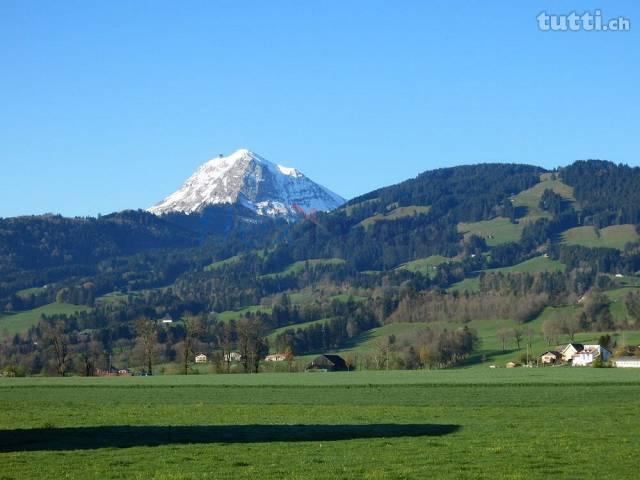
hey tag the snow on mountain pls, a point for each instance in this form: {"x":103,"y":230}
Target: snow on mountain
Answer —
{"x":252,"y":181}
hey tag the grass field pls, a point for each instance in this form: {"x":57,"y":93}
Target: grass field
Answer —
{"x":395,"y":214}
{"x":298,"y":267}
{"x":533,"y":265}
{"x":30,"y":291}
{"x":426,"y":266}
{"x":274,"y":333}
{"x":615,"y":236}
{"x":235,"y":314}
{"x":216,"y":265}
{"x":495,"y":232}
{"x":22,"y":321}
{"x":462,"y":424}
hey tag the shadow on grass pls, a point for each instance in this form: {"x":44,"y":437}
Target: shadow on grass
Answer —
{"x":86,"y":438}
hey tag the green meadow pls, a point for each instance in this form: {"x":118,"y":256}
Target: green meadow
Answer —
{"x":462,"y":424}
{"x":496,"y":231}
{"x":20,"y":322}
{"x":615,"y":236}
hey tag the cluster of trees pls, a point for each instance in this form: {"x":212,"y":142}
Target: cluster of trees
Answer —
{"x":328,"y":334}
{"x":427,"y":348}
{"x":433,"y":306}
{"x":608,"y":193}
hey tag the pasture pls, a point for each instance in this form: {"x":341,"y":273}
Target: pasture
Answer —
{"x":495,"y":231}
{"x":615,"y":236}
{"x":18,"y":322}
{"x":466,"y":423}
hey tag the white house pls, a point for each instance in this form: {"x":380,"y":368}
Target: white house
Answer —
{"x":232,"y":357}
{"x":570,"y":350}
{"x":201,"y":358}
{"x":628,"y":362}
{"x":589,"y":354}
{"x":275,"y":357}
{"x":550,"y":357}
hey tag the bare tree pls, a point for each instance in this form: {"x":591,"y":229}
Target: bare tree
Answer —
{"x":570,"y":326}
{"x":192,"y":329}
{"x":56,"y":337}
{"x":251,"y":342}
{"x":225,"y":339}
{"x":503,"y":335}
{"x":517,"y":336}
{"x":147,"y":333}
{"x":288,"y":355}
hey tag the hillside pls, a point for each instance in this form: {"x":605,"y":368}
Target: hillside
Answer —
{"x":439,"y":263}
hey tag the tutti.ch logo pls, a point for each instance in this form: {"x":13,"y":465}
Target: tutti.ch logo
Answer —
{"x":585,"y":22}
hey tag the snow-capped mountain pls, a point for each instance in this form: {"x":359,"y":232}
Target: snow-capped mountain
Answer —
{"x":250,"y":180}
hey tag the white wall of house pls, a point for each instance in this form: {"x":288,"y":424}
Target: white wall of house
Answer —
{"x":628,"y":363}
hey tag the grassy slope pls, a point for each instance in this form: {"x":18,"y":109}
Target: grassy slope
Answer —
{"x":530,"y":199}
{"x":426,"y":266}
{"x":501,"y":230}
{"x":533,"y":265}
{"x":298,"y":267}
{"x":495,"y":231}
{"x":30,"y":291}
{"x":615,"y":236}
{"x":371,"y":425}
{"x":21,"y":322}
{"x":222,"y":263}
{"x":396,"y":213}
{"x":235,"y":314}
{"x":274,"y":333}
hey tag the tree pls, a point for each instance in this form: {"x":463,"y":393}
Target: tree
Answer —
{"x":192,"y":329}
{"x":570,"y":326}
{"x":550,"y":330}
{"x":503,"y":335}
{"x":251,"y":342}
{"x":147,"y":333}
{"x":225,"y":333}
{"x":288,"y":355}
{"x":606,"y":341}
{"x":56,"y":337}
{"x":632,"y":301}
{"x":517,"y":336}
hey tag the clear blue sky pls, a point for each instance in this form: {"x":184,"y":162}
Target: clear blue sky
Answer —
{"x":111,"y":105}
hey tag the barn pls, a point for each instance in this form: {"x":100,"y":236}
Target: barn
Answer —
{"x":327,"y":363}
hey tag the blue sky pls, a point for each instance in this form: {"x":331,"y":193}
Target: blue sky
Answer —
{"x":111,"y":105}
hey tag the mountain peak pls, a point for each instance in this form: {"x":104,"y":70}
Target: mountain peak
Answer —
{"x":246,"y":178}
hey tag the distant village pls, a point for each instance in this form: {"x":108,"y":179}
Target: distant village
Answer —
{"x":573,"y":354}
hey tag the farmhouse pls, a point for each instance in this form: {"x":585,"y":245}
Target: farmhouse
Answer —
{"x":232,"y":357}
{"x":589,"y":354}
{"x":570,"y":350}
{"x":327,"y":363}
{"x":550,"y":357}
{"x":627,"y":362}
{"x":275,"y":357}
{"x":201,"y":358}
